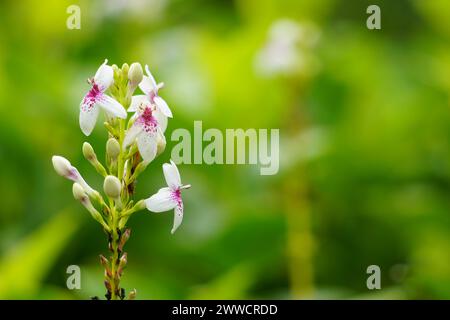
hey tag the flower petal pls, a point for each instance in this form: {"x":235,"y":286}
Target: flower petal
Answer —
{"x":131,"y":134}
{"x":161,"y":201}
{"x":152,"y":79}
{"x":104,"y":76}
{"x":161,"y":119}
{"x":178,"y":217}
{"x":162,"y":105}
{"x":147,"y":145}
{"x":146,"y":85}
{"x":172,"y":175}
{"x":112,"y":106}
{"x":88,"y":116}
{"x":136,"y":101}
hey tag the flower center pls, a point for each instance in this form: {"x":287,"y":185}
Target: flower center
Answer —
{"x":148,"y":121}
{"x":92,"y":96}
{"x":176,"y":195}
{"x":95,"y":91}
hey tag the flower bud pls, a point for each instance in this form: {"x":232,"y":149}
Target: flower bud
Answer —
{"x":90,"y":156}
{"x":124,"y":238}
{"x":79,"y":194}
{"x":64,"y":168}
{"x":88,"y":152}
{"x":135,"y":74}
{"x":132,"y":294}
{"x":112,"y":187}
{"x":113,"y":148}
{"x":123,"y":259}
{"x":122,"y":263}
{"x":125,"y":68}
{"x":103,"y":260}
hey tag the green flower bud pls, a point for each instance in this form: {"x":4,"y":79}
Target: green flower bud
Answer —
{"x":132,"y":294}
{"x":135,"y":74}
{"x":125,"y":68}
{"x":79,"y":194}
{"x":113,"y":148}
{"x":112,"y":187}
{"x":88,"y":152}
{"x":90,"y":156}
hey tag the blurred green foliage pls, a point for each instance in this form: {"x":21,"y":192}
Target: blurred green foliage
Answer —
{"x":364,"y":177}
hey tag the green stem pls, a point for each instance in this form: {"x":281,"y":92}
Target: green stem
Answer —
{"x":120,"y":164}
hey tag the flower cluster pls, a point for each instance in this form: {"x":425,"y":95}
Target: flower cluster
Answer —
{"x":133,"y":143}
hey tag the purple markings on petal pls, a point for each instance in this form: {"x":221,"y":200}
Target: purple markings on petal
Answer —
{"x":147,"y":121}
{"x":73,"y":174}
{"x":93,"y":96}
{"x":176,"y":196}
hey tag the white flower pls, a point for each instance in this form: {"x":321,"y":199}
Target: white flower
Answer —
{"x":65,"y":169}
{"x":148,"y":127}
{"x":96,"y":99}
{"x":170,"y":197}
{"x":150,"y":88}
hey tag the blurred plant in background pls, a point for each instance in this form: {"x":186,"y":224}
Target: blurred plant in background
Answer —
{"x":364,"y":133}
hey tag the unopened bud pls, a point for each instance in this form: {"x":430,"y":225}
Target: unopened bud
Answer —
{"x":135,"y":74}
{"x":113,"y":148}
{"x":132,"y":294}
{"x":116,"y":69}
{"x":64,"y":168}
{"x":90,"y":156}
{"x":122,"y":263}
{"x":125,"y":68}
{"x":89,"y":152}
{"x":123,"y":260}
{"x":107,"y":285}
{"x":124,"y":238}
{"x":79,"y":194}
{"x":112,"y":187}
{"x":105,"y":264}
{"x":103,"y":260}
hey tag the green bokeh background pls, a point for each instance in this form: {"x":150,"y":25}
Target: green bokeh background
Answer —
{"x":364,"y":176}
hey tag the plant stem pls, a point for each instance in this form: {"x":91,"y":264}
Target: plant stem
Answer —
{"x":120,"y":164}
{"x":114,"y":247}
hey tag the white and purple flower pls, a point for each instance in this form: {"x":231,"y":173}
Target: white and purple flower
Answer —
{"x":169,"y":197}
{"x":150,"y":88}
{"x":149,"y":125}
{"x":96,"y":99}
